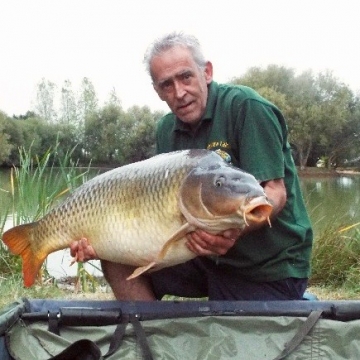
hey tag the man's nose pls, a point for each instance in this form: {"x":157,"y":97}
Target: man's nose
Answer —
{"x":179,"y":89}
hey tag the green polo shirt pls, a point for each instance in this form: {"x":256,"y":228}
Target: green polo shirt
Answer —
{"x":251,"y":133}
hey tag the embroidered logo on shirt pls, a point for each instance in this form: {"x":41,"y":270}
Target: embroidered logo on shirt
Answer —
{"x":220,"y":144}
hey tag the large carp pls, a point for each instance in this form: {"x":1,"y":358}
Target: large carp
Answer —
{"x":139,"y":214}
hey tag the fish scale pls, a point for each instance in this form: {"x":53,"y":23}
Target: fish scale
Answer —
{"x":139,"y":214}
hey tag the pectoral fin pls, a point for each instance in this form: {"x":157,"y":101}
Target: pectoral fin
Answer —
{"x":178,"y":235}
{"x":140,"y":270}
{"x":184,"y":229}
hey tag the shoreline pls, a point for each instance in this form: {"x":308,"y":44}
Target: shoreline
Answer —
{"x":321,"y":172}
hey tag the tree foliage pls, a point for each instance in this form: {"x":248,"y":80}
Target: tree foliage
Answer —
{"x":106,"y":135}
{"x":323,"y":118}
{"x":45,"y":107}
{"x":5,"y":146}
{"x":68,"y":107}
{"x":320,"y":111}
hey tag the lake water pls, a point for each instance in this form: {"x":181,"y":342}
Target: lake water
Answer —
{"x":332,"y":200}
{"x":329,"y":200}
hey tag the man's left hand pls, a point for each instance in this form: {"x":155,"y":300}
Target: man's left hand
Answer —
{"x":203,"y":243}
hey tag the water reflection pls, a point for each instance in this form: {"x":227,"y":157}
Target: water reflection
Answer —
{"x":345,"y":181}
{"x":332,"y":200}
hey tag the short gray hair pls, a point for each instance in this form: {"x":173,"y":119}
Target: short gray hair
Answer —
{"x":171,"y":40}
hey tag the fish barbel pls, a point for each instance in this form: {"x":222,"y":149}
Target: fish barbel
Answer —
{"x":139,"y":214}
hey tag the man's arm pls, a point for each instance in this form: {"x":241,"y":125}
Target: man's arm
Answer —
{"x":276,"y":193}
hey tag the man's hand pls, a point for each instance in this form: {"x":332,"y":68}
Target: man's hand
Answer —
{"x":204,"y":244}
{"x":82,"y":251}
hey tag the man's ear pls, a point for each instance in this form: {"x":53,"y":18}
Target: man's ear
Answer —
{"x":208,"y":72}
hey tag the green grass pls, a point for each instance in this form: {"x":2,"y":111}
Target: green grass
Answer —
{"x":12,"y":289}
{"x":335,"y":259}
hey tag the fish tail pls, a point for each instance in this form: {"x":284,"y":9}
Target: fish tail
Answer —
{"x":18,"y":240}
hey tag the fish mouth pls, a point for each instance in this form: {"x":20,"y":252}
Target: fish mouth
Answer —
{"x":257,"y":210}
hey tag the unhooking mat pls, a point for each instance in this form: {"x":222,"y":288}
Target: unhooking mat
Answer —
{"x":44,"y":329}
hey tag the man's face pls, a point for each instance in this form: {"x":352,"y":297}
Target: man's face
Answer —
{"x":181,"y":83}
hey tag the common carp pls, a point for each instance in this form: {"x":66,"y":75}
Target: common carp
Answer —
{"x":139,"y":214}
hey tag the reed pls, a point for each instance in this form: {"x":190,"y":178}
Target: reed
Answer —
{"x":335,"y":257}
{"x":37,"y":185}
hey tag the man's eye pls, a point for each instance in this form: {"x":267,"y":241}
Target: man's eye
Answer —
{"x":166,"y":84}
{"x":186,"y":78}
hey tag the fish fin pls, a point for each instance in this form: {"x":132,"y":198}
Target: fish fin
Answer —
{"x":179,"y":234}
{"x":18,"y":240}
{"x":140,"y":270}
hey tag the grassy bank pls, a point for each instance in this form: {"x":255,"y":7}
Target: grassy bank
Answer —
{"x":12,"y":289}
{"x":323,"y":172}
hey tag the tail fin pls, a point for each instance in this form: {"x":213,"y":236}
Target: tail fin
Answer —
{"x":18,"y":240}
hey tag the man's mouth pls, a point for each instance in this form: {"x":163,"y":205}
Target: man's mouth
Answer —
{"x":185,"y":106}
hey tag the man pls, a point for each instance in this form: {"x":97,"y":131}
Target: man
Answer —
{"x":270,"y":263}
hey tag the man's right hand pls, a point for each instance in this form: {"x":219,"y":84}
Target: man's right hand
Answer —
{"x":82,"y":251}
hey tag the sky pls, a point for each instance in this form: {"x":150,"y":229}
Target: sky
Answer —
{"x":105,"y":41}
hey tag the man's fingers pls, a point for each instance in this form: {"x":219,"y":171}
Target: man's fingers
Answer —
{"x":198,"y":250}
{"x":203,"y":243}
{"x":232,"y":234}
{"x":74,"y":248}
{"x":82,"y":251}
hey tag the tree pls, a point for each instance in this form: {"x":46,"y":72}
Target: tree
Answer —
{"x":293,"y":97}
{"x":302,"y":115}
{"x":88,"y":102}
{"x":276,"y":77}
{"x":351,"y":155}
{"x":316,"y":108}
{"x":28,"y":114}
{"x":335,"y":112}
{"x":87,"y":107}
{"x":5,"y":146}
{"x":68,"y":108}
{"x":138,"y":141}
{"x":45,"y":101}
{"x":277,"y":98}
{"x":114,"y":99}
{"x":102,"y":134}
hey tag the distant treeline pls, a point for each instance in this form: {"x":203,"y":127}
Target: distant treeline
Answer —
{"x":323,"y":116}
{"x":103,"y":135}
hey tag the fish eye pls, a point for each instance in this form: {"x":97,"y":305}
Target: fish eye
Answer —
{"x":219,"y":182}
